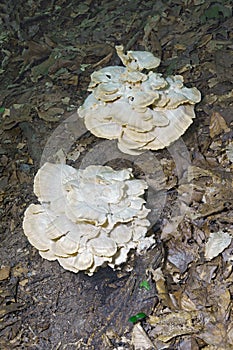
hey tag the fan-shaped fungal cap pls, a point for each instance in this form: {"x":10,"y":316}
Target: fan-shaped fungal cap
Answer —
{"x":142,"y":110}
{"x":106,"y":75}
{"x":137,"y":60}
{"x":87,"y":218}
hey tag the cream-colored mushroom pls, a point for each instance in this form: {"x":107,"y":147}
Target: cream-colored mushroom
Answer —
{"x":48,"y":255}
{"x":179,"y":94}
{"x":121,"y":255}
{"x":179,"y":120}
{"x":77,"y":262}
{"x":103,"y":246}
{"x":139,"y":229}
{"x":139,"y":100}
{"x":47,"y":184}
{"x":154,"y":81}
{"x":133,"y":77}
{"x":120,"y":235}
{"x":108,"y":92}
{"x":137,"y":60}
{"x":142,"y":110}
{"x":106,"y":75}
{"x":36,"y":220}
{"x":66,"y":246}
{"x":94,"y":224}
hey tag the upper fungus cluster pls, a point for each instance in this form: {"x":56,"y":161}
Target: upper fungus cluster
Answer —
{"x":87,"y":218}
{"x":141,"y":110}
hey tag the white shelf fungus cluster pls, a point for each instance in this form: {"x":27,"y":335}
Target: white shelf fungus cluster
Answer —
{"x":87,"y":218}
{"x":142,"y":110}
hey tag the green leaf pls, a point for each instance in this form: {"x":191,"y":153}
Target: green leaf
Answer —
{"x":2,"y":109}
{"x":132,"y":319}
{"x":145,"y":284}
{"x":138,"y":317}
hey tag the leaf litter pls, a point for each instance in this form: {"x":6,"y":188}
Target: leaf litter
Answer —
{"x":48,"y":53}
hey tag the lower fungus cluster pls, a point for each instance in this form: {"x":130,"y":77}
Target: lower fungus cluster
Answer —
{"x":87,"y":218}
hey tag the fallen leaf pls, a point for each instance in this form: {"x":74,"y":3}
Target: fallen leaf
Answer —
{"x":194,"y":172}
{"x":140,"y":339}
{"x":52,"y":114}
{"x":17,"y":113}
{"x":187,"y":304}
{"x":161,"y":287}
{"x":230,"y":334}
{"x":180,"y":255}
{"x":229,"y":152}
{"x":42,"y":69}
{"x":23,"y":282}
{"x":189,"y":344}
{"x":217,"y":125}
{"x":217,"y":242}
{"x":35,"y":51}
{"x":4,"y":272}
{"x":173,"y":324}
{"x":170,"y":227}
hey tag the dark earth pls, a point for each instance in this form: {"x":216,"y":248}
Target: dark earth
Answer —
{"x":48,"y":51}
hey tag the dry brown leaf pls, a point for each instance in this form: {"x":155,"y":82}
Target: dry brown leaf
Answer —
{"x":4,"y":272}
{"x":194,"y":172}
{"x":230,"y":334}
{"x":206,"y":272}
{"x":170,"y":227}
{"x":215,"y":335}
{"x":229,"y":152}
{"x":140,"y":339}
{"x":52,"y":114}
{"x":187,"y":304}
{"x":189,"y":343}
{"x":217,"y":242}
{"x":17,"y":113}
{"x":181,"y":254}
{"x":35,"y":51}
{"x":217,"y":125}
{"x":173,"y":324}
{"x":162,"y":290}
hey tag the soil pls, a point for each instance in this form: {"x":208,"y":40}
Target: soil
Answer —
{"x":49,"y":50}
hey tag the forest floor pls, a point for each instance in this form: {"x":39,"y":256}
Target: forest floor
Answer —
{"x":49,"y":50}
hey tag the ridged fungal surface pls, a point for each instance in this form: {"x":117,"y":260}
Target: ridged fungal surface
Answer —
{"x":87,"y":218}
{"x":138,"y":107}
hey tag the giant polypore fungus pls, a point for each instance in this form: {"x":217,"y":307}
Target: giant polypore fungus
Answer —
{"x":142,"y":110}
{"x":87,"y":218}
